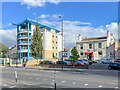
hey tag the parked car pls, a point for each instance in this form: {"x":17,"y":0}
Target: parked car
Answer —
{"x":111,"y":61}
{"x":69,"y":62}
{"x":117,"y":60}
{"x":114,"y":65}
{"x":88,"y":62}
{"x":105,"y":60}
{"x":80,"y":62}
{"x":51,"y":62}
{"x":61,"y":62}
{"x":98,"y":61}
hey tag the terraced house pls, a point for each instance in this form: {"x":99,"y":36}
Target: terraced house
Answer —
{"x":51,"y":37}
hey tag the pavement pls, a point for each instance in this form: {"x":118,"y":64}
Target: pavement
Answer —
{"x":35,"y":78}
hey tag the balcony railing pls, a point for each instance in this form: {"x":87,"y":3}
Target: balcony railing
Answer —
{"x":23,"y":36}
{"x":23,"y":48}
{"x":24,"y":42}
{"x":24,"y":30}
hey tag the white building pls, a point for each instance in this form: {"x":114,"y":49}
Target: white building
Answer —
{"x":94,"y":48}
{"x":51,"y":37}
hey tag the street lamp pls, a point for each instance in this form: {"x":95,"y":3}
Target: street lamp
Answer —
{"x":62,"y":38}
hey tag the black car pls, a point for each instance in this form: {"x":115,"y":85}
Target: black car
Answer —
{"x":61,"y":62}
{"x":114,"y":65}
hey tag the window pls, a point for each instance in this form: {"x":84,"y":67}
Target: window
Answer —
{"x":81,"y":46}
{"x":90,"y":46}
{"x":53,"y":47}
{"x":53,"y":55}
{"x":81,"y":54}
{"x":56,"y":36}
{"x":56,"y":55}
{"x":53,"y":41}
{"x":56,"y":48}
{"x":53,"y":36}
{"x":56,"y":42}
{"x":99,"y":45}
{"x":100,"y":53}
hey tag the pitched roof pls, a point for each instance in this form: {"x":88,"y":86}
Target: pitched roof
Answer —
{"x":27,"y":20}
{"x":85,"y":39}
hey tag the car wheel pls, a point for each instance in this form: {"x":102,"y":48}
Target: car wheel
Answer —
{"x":109,"y":68}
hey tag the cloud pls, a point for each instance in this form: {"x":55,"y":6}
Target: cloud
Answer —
{"x":71,"y":31}
{"x":38,"y":3}
{"x":54,"y":16}
{"x":43,"y":16}
{"x":73,"y":28}
{"x":8,"y":37}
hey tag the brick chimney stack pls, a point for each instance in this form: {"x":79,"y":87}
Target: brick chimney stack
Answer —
{"x":79,"y":37}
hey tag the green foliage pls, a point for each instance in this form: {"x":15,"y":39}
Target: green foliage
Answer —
{"x":74,"y":55}
{"x":36,"y":45}
{"x":3,"y":50}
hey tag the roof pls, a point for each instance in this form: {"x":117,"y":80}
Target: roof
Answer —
{"x":27,"y":20}
{"x":94,"y":38}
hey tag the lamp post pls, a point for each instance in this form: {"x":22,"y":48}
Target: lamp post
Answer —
{"x":62,"y":38}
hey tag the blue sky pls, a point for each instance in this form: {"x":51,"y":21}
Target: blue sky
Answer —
{"x":94,"y":12}
{"x":78,"y":15}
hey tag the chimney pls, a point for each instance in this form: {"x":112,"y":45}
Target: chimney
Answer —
{"x":79,"y":37}
{"x":108,"y":34}
{"x":108,"y":38}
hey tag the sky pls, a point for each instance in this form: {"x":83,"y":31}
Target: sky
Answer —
{"x":90,"y":19}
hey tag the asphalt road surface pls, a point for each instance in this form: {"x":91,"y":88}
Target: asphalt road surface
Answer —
{"x":95,"y":77}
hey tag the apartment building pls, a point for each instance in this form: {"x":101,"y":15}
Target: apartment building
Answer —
{"x":94,"y":48}
{"x":51,"y":38}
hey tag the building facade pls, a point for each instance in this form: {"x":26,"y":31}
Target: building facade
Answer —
{"x":94,"y":48}
{"x":66,"y":54}
{"x":51,"y":39}
{"x":12,"y":52}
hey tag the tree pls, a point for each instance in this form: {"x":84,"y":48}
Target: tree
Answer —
{"x":74,"y":55}
{"x":3,"y":50}
{"x":36,"y":45}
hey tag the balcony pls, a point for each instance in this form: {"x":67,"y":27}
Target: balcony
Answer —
{"x":24,"y":31}
{"x":24,"y":43}
{"x":24,"y":37}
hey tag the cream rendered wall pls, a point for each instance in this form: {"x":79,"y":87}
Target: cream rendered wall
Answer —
{"x":59,"y":43}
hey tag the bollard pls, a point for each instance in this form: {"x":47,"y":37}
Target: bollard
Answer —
{"x":55,"y":79}
{"x":15,"y":76}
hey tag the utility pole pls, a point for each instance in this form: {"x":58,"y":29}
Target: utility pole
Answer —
{"x":62,"y":38}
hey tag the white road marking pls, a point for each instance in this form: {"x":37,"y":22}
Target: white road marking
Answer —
{"x":23,"y":77}
{"x":53,"y":80}
{"x":12,"y":86}
{"x":86,"y":84}
{"x":116,"y":87}
{"x":74,"y":82}
{"x":63,"y":81}
{"x":5,"y":85}
{"x":52,"y":83}
{"x":37,"y":78}
{"x":100,"y":86}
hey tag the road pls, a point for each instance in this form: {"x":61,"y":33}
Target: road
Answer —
{"x":89,"y":78}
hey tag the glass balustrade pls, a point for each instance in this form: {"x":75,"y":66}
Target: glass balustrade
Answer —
{"x":23,"y":48}
{"x":22,"y":36}
{"x":24,"y":30}
{"x":24,"y":42}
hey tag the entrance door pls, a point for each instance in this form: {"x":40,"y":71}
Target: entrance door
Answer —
{"x":89,"y":56}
